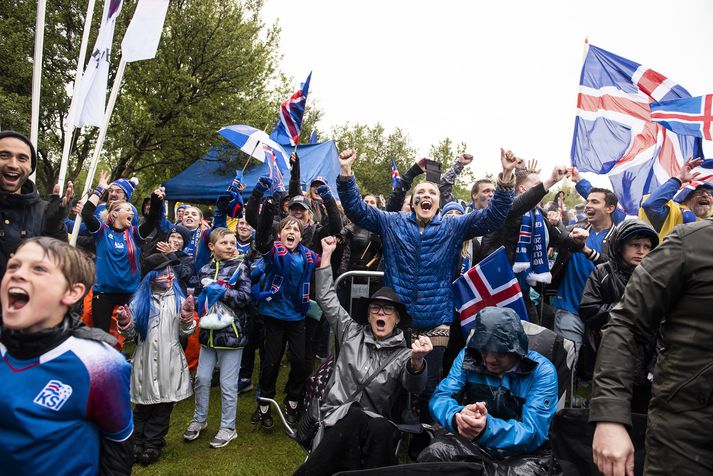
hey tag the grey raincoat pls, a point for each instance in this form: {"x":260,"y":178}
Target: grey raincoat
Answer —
{"x":159,"y":373}
{"x":360,"y":354}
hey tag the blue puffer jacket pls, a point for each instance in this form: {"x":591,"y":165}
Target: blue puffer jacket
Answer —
{"x":419,"y":267}
{"x":520,"y":405}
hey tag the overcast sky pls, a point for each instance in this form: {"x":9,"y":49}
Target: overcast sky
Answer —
{"x":490,"y":74}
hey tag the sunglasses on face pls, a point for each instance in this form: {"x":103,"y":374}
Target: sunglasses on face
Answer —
{"x":387,"y":309}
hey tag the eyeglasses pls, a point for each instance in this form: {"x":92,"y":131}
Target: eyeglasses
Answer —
{"x":387,"y":309}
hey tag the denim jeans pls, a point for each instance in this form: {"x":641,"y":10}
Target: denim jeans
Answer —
{"x":569,"y":326}
{"x":229,"y":361}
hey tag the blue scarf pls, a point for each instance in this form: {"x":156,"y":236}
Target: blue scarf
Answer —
{"x":531,"y":253}
{"x":279,"y":269}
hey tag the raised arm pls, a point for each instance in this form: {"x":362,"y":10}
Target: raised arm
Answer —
{"x":445,"y":186}
{"x":155,"y":213}
{"x":295,"y":185}
{"x":325,"y":293}
{"x":263,"y":233}
{"x":656,"y":206}
{"x":481,"y":222}
{"x":398,"y":194}
{"x":252,"y":208}
{"x":358,"y":212}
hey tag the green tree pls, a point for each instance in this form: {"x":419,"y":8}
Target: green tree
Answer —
{"x":375,"y":148}
{"x":216,"y":65}
{"x":446,"y":152}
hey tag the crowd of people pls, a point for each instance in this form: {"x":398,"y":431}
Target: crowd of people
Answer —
{"x":201,"y":296}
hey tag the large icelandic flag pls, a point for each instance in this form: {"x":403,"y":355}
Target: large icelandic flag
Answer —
{"x":689,"y":117}
{"x":289,"y":124}
{"x":489,"y":283}
{"x":87,"y":108}
{"x":613,"y":130}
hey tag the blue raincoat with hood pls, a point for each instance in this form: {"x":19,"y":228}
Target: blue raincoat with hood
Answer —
{"x":521,"y":403}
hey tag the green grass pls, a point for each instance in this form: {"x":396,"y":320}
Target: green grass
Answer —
{"x":253,"y":452}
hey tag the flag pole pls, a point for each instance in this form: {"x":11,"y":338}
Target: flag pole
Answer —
{"x":37,"y":74}
{"x":69,"y":128}
{"x":249,"y":156}
{"x":100,"y":143}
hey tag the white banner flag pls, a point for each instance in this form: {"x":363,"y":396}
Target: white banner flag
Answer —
{"x":144,"y":32}
{"x":88,"y":107}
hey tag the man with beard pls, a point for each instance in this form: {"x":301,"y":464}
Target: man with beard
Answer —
{"x":23,"y":214}
{"x":665,"y":208}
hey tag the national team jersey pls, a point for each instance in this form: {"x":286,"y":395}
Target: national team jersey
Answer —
{"x":115,"y":271}
{"x":243,"y":248}
{"x":55,"y":408}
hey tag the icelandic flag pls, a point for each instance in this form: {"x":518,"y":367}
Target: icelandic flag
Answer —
{"x":613,"y":130}
{"x":289,"y":125}
{"x":394,"y":175}
{"x":489,"y":283}
{"x":688,"y":117}
{"x":275,"y":174}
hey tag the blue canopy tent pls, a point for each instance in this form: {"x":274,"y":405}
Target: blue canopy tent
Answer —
{"x":207,"y":179}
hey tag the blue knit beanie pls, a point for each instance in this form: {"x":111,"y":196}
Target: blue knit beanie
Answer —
{"x":127,"y":185}
{"x":450,"y":206}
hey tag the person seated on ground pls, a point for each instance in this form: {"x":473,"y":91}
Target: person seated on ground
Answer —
{"x":665,"y":208}
{"x":498,"y":396}
{"x":631,"y":241}
{"x":358,"y":432}
{"x":421,"y":251}
{"x":65,"y":390}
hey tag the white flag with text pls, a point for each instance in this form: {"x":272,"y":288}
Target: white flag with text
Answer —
{"x":88,"y":107}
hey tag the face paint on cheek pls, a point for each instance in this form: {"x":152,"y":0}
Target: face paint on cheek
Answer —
{"x":416,"y":201}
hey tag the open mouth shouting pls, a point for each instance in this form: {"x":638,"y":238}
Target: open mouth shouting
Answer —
{"x":17,"y":298}
{"x":380,"y":325}
{"x":11,"y":180}
{"x":290,"y":241}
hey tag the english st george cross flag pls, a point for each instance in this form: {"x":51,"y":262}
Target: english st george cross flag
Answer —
{"x":489,"y":283}
{"x":613,"y":130}
{"x":289,"y":124}
{"x":690,"y":116}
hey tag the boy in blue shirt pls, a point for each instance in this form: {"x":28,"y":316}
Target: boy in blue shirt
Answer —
{"x":62,"y":385}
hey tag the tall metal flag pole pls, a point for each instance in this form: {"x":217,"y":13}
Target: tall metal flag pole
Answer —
{"x":69,"y":128}
{"x":37,"y":74}
{"x":100,"y":143}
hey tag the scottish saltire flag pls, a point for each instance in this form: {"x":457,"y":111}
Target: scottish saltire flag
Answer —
{"x":613,"y":130}
{"x":489,"y":283}
{"x":289,"y":124}
{"x":394,"y":174}
{"x":87,"y":109}
{"x":688,"y":117}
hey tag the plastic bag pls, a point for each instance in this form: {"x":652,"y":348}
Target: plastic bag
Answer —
{"x":219,"y":316}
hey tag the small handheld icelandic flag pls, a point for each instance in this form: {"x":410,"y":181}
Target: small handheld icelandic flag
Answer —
{"x":275,"y":174}
{"x":489,"y":283}
{"x":289,"y":124}
{"x":688,"y":117}
{"x":394,"y":174}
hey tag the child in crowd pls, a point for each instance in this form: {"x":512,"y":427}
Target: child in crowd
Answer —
{"x":65,"y":390}
{"x":224,"y":287}
{"x":283,"y":304}
{"x":173,"y":247}
{"x":631,"y":242}
{"x":118,"y":251}
{"x":158,"y":315}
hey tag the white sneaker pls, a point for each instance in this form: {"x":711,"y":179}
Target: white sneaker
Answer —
{"x":224,"y":436}
{"x":194,"y":430}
